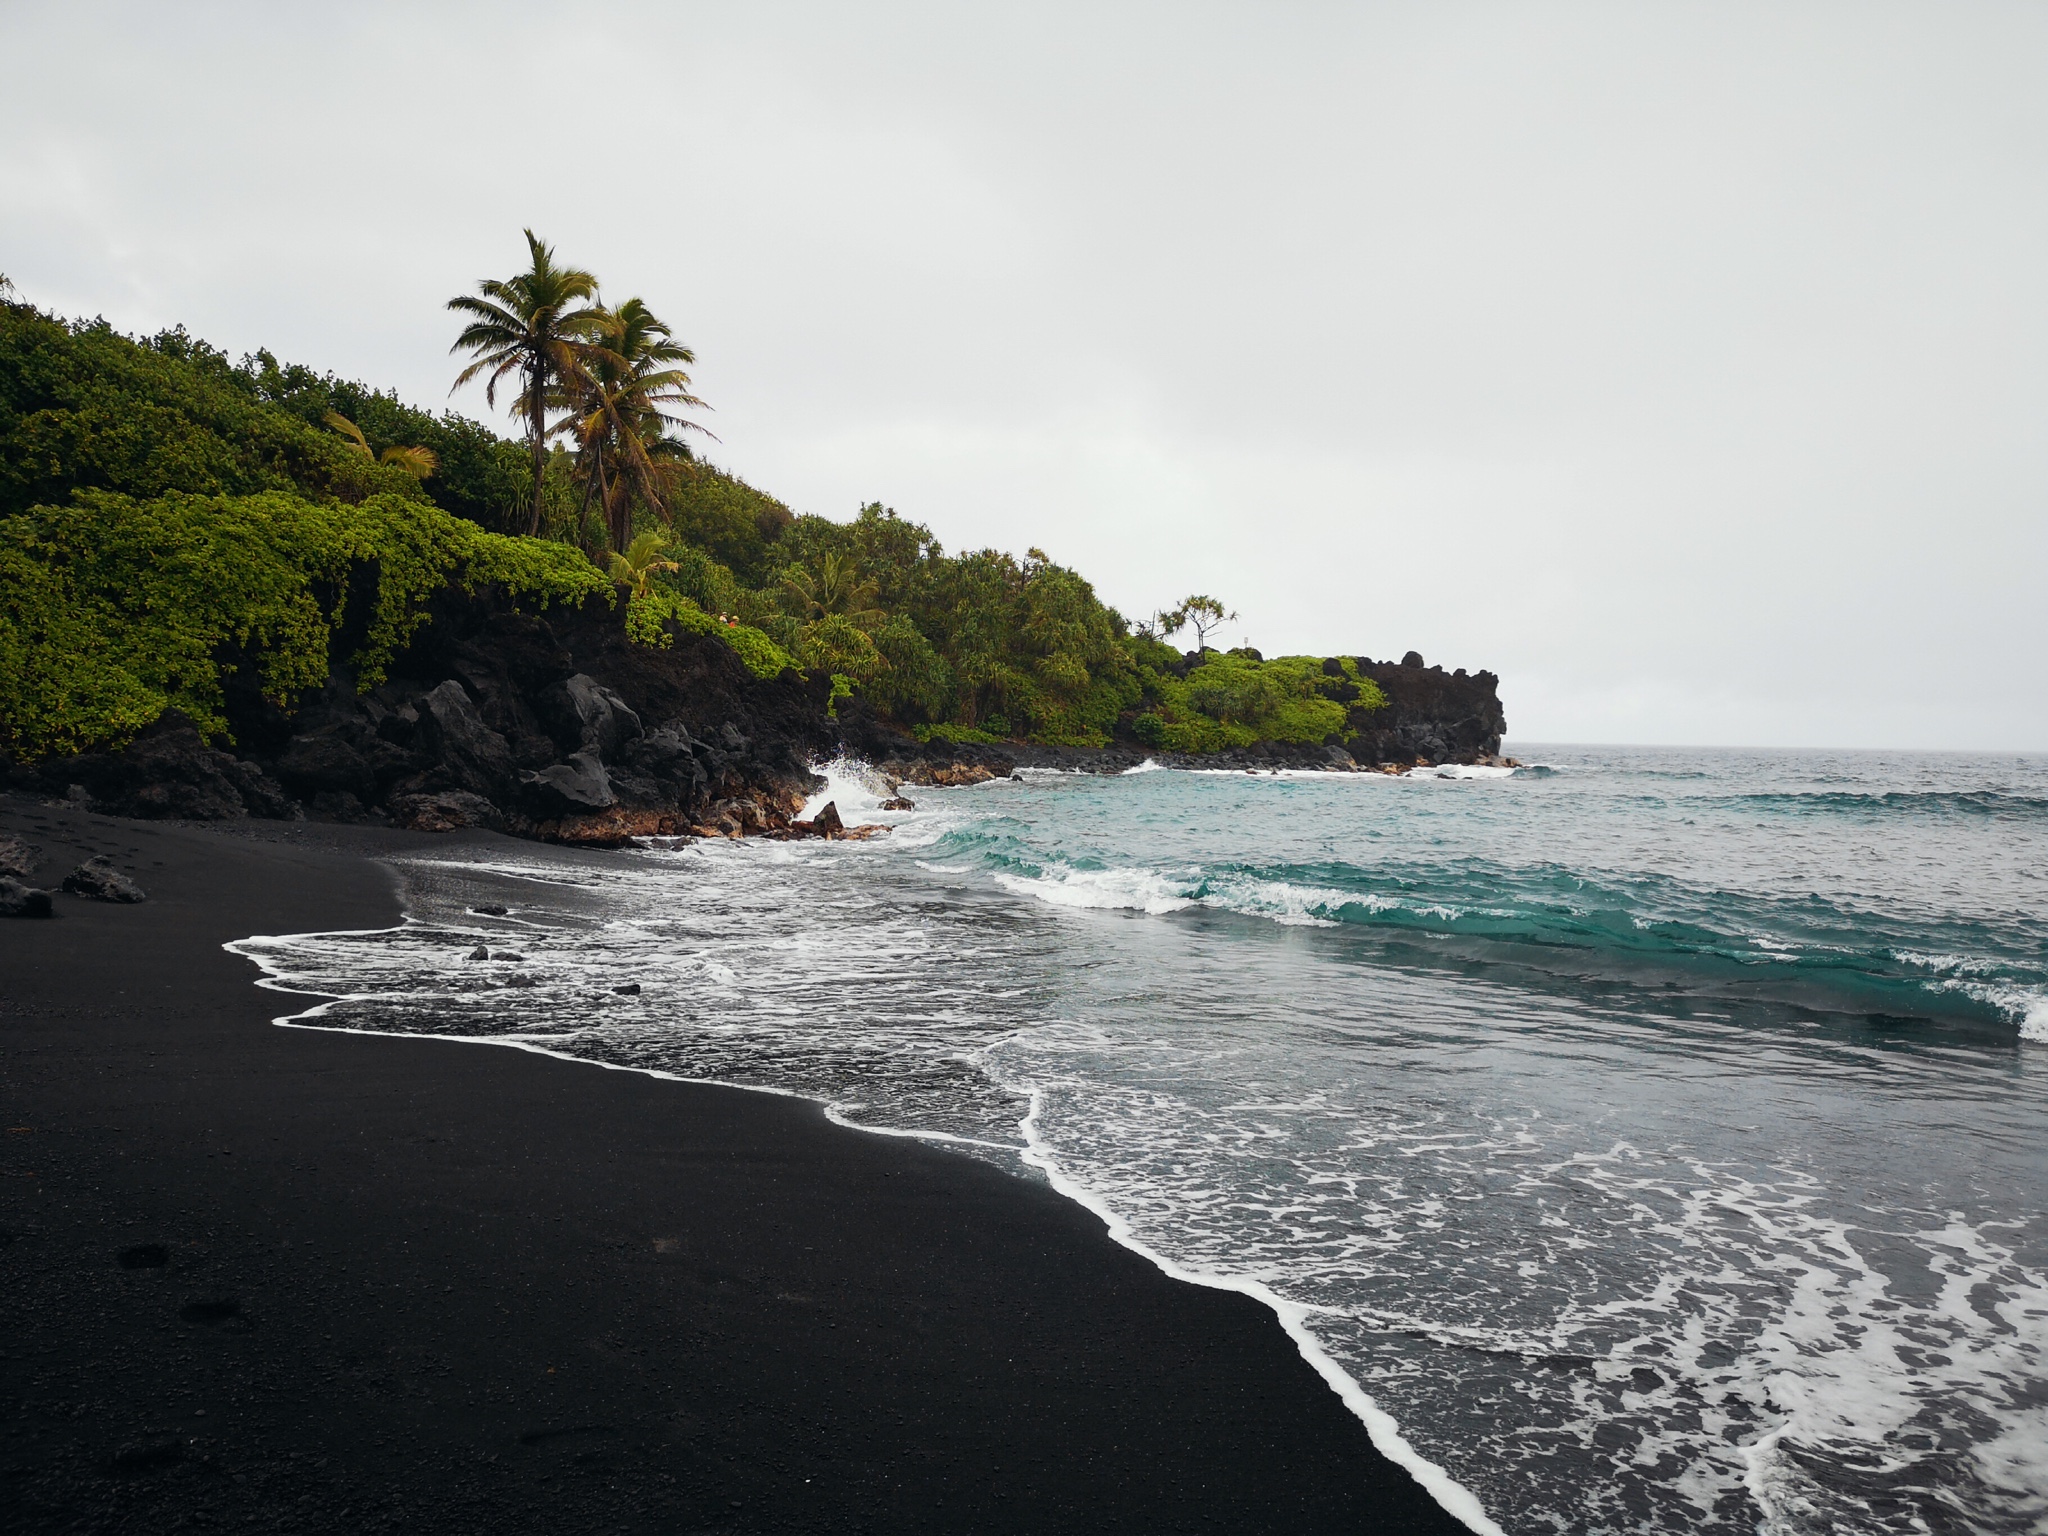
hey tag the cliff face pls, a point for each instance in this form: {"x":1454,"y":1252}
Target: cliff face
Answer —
{"x":549,"y":726}
{"x":1431,"y":715}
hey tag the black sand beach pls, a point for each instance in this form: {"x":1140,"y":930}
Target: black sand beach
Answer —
{"x":286,"y":1280}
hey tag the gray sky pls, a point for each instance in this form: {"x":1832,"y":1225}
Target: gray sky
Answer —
{"x":1686,"y":365}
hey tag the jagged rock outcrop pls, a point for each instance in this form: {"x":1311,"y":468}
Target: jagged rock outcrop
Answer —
{"x":575,"y":786}
{"x":167,"y":771}
{"x":548,"y":726}
{"x":1430,"y":715}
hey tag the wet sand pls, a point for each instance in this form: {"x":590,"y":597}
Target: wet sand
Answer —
{"x":268,"y":1279}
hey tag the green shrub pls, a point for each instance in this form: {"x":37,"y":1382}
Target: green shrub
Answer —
{"x":735,"y":524}
{"x":85,"y":408}
{"x":957,"y":733}
{"x":1233,"y":700}
{"x":114,"y":609}
{"x":647,"y":618}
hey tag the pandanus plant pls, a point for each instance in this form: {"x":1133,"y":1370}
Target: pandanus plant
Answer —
{"x":417,"y":462}
{"x":636,"y":568}
{"x":836,"y":589}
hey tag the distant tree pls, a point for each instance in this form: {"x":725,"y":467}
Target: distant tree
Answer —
{"x":531,"y":325}
{"x":635,"y":569}
{"x":835,"y":590}
{"x":1202,"y":613}
{"x":420,"y":463}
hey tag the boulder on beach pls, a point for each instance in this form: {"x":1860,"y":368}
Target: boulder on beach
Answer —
{"x":578,"y":784}
{"x":443,"y":812}
{"x":18,"y":900}
{"x":17,"y":859}
{"x":97,"y":880}
{"x":454,"y":735}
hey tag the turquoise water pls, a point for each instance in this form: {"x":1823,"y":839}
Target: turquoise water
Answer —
{"x":1646,"y":1140}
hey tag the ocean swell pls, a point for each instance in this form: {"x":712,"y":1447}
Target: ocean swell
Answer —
{"x":1648,"y":931}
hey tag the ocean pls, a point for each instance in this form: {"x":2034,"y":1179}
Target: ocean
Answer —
{"x":1640,"y":1140}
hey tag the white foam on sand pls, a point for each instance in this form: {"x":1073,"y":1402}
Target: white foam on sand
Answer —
{"x":1455,"y":1498}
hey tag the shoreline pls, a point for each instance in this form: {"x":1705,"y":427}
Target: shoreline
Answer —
{"x":672,"y":1344}
{"x":1385,"y":1432}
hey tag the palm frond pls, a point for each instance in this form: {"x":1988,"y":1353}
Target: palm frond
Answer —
{"x":420,"y":463}
{"x":348,"y":429}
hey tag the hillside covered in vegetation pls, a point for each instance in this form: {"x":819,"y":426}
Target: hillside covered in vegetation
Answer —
{"x":230,"y":545}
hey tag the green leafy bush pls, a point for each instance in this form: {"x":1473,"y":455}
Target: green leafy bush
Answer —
{"x":1233,"y":699}
{"x":114,"y":609}
{"x":647,"y":619}
{"x":961,"y":733}
{"x":735,"y":524}
{"x":85,"y":408}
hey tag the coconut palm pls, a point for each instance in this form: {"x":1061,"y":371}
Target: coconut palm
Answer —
{"x":538,"y":326}
{"x":417,"y":462}
{"x":626,"y":399}
{"x":636,"y":568}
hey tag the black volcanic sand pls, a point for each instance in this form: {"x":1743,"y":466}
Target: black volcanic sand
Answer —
{"x":271,"y":1279}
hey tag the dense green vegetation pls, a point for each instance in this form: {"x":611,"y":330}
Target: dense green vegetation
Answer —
{"x":162,"y":508}
{"x":113,"y":609}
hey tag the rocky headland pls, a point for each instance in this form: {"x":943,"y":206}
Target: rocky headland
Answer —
{"x":555,"y":726}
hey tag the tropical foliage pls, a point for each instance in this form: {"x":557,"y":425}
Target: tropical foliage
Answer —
{"x":636,"y":569}
{"x":162,"y":507}
{"x":114,"y":609}
{"x":418,"y":462}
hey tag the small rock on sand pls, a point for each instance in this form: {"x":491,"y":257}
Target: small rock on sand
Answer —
{"x":17,"y":858}
{"x":18,"y":900}
{"x":97,"y":880}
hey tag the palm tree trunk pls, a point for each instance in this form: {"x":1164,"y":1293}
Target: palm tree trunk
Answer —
{"x":611,"y":512}
{"x":537,"y":427}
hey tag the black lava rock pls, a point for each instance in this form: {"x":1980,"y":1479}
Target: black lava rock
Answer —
{"x":18,"y":900}
{"x":97,"y":880}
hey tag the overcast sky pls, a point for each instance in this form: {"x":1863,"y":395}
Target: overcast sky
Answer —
{"x":1685,"y":365}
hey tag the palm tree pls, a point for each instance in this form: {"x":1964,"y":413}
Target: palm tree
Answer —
{"x":417,"y":462}
{"x":837,"y":589}
{"x":635,"y":569}
{"x":625,"y":401}
{"x":529,"y":324}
